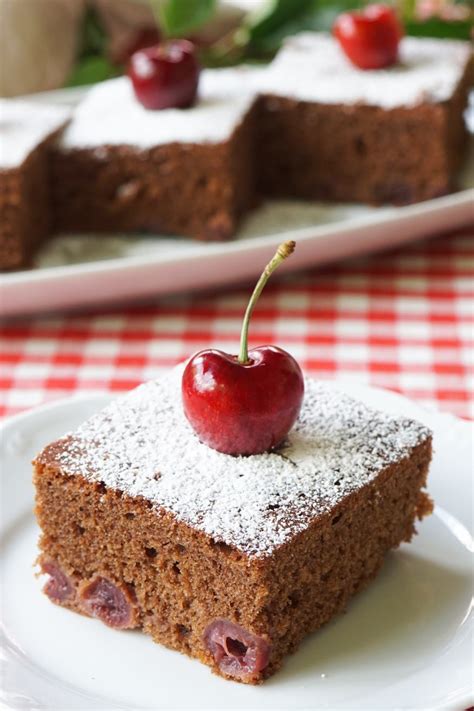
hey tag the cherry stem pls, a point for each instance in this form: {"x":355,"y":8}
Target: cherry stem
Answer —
{"x":283,"y":251}
{"x":159,"y":18}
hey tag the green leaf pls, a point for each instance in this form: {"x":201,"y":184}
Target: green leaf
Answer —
{"x":274,"y":15}
{"x":436,"y":27}
{"x":406,"y":8}
{"x":179,"y":17}
{"x":91,"y":70}
{"x":263,"y":32}
{"x":93,"y":39}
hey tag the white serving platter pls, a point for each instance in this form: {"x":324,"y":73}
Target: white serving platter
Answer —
{"x":78,"y":271}
{"x":404,"y":643}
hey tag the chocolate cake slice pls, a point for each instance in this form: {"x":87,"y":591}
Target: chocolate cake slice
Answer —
{"x":331,"y":131}
{"x":26,"y":132}
{"x":120,"y":167}
{"x":232,"y":560}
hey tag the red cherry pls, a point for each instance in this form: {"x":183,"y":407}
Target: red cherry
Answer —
{"x":370,"y":38}
{"x":242,"y":408}
{"x":165,"y":76}
{"x":244,"y":404}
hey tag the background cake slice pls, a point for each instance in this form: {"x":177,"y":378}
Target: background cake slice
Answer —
{"x":120,"y":167}
{"x":26,"y":132}
{"x":232,"y":560}
{"x":331,"y":131}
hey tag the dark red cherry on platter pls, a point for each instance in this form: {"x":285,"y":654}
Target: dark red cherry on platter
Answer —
{"x":245,"y":404}
{"x":165,"y":76}
{"x":370,"y":37}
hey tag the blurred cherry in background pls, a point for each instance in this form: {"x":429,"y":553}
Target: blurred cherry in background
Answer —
{"x":48,"y":44}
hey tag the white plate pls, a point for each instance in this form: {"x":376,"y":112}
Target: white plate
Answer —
{"x":404,"y":643}
{"x":79,"y":271}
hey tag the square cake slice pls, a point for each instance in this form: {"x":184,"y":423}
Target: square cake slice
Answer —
{"x":26,"y":132}
{"x":120,"y":167}
{"x":232,"y":560}
{"x":331,"y":131}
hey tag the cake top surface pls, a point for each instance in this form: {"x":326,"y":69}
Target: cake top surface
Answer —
{"x":312,"y":67}
{"x":111,"y":115}
{"x":141,"y":444}
{"x":23,"y":126}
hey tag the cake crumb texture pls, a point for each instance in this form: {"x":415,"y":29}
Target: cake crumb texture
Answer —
{"x":26,"y":133}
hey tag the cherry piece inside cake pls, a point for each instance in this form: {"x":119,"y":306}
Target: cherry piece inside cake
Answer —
{"x":232,"y":560}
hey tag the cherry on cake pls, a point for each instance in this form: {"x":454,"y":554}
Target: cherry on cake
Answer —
{"x":244,"y":404}
{"x":330,"y":130}
{"x":122,"y":167}
{"x":232,"y":560}
{"x":26,"y":132}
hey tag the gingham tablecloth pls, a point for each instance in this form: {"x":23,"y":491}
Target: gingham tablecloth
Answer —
{"x":402,"y":320}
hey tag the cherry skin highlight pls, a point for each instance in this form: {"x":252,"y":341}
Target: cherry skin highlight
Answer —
{"x":242,"y":409}
{"x":165,"y":76}
{"x":370,"y":38}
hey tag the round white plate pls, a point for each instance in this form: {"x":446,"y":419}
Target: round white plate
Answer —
{"x":403,"y":643}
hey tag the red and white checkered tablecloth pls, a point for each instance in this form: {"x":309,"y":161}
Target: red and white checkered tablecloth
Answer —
{"x":402,"y":320}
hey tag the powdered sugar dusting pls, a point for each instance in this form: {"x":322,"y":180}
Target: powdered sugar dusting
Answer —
{"x":23,"y":126}
{"x":111,"y":115}
{"x":312,"y":67}
{"x":142,"y":445}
